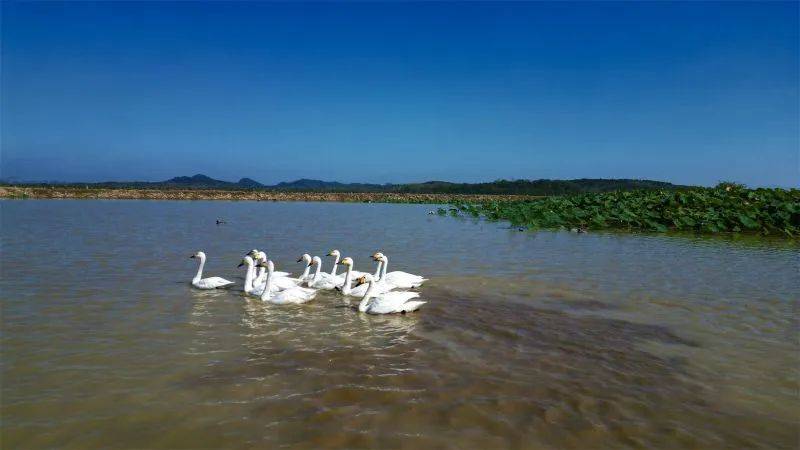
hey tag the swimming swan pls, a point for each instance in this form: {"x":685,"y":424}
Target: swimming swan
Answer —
{"x":322,"y":280}
{"x":293,"y":295}
{"x":403,"y":280}
{"x":388,"y":302}
{"x":359,"y":291}
{"x":207,"y":283}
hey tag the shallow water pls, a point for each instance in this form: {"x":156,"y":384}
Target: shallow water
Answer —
{"x":529,"y":340}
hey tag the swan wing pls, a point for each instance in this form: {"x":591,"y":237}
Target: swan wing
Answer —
{"x":324,"y":283}
{"x":212,"y":283}
{"x":293,"y":296}
{"x":380,"y":288}
{"x":413,"y":305}
{"x":404,"y":280}
{"x":391,"y":302}
{"x":284,"y":283}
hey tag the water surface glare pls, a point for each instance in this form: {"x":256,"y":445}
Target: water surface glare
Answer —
{"x":529,"y":340}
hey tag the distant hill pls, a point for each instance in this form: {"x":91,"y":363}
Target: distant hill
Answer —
{"x":499,"y":187}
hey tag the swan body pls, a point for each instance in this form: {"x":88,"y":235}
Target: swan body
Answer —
{"x":294,"y":295}
{"x":322,"y":280}
{"x":400,"y":279}
{"x":388,"y":302}
{"x":360,"y":290}
{"x":207,"y":283}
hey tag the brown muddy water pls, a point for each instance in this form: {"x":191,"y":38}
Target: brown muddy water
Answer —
{"x":529,"y":340}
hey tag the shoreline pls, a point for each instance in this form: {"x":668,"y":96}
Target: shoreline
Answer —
{"x":58,"y":192}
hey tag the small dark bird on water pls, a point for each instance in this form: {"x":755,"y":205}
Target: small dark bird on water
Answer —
{"x":220,"y":221}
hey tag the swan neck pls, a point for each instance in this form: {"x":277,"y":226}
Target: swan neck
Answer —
{"x":317,"y":270}
{"x":267,"y":287}
{"x":335,"y":266}
{"x":347,"y":278}
{"x":377,"y":275}
{"x":248,"y":279}
{"x":362,"y":306}
{"x":200,"y":270}
{"x":385,"y":265}
{"x":305,"y":272}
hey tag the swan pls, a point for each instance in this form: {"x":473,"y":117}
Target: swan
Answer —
{"x":388,"y":302}
{"x":338,"y":255}
{"x":346,"y":289}
{"x":321,"y":280}
{"x":293,"y":295}
{"x":207,"y":283}
{"x":398,"y":278}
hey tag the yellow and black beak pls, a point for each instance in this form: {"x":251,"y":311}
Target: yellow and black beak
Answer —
{"x":240,"y":264}
{"x":193,"y":256}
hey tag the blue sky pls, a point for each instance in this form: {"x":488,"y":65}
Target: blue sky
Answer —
{"x":398,"y":92}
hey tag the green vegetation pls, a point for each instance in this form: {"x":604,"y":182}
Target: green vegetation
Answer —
{"x":728,"y":207}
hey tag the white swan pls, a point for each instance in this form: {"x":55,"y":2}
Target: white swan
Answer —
{"x":322,"y":280}
{"x":338,"y":255}
{"x":249,"y":275}
{"x":293,"y":295}
{"x":388,"y":302}
{"x":359,"y":291}
{"x":207,"y":283}
{"x":403,"y":280}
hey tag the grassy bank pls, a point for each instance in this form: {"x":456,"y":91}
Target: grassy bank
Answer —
{"x":56,"y":192}
{"x":725,"y":208}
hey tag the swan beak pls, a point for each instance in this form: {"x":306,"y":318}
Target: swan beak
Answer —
{"x":240,"y":264}
{"x":299,"y":259}
{"x":193,"y":256}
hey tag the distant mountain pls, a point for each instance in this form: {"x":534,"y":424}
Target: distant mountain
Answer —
{"x":249,"y":183}
{"x":504,"y":187}
{"x":304,"y":184}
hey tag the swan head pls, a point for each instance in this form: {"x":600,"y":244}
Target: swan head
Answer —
{"x":316,"y":261}
{"x":247,"y":260}
{"x":252,"y":253}
{"x":346,"y":262}
{"x":334,"y":253}
{"x":199,"y":255}
{"x":267,"y":264}
{"x":377,"y":256}
{"x":261,"y":256}
{"x":364,"y":279}
{"x":305,"y":258}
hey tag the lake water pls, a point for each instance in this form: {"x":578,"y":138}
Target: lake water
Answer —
{"x":529,"y":339}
